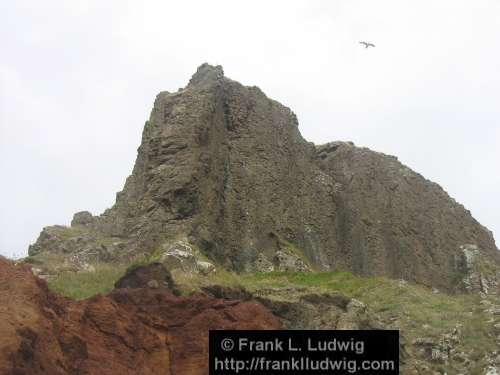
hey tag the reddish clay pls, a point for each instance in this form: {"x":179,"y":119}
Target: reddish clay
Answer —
{"x":130,"y":331}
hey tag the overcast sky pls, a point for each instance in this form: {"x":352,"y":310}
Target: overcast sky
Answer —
{"x":78,"y":80}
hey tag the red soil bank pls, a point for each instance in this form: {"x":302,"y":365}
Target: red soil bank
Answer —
{"x":130,"y":331}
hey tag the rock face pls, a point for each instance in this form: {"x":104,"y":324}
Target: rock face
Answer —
{"x":82,"y":218}
{"x":226,"y":167}
{"x":299,"y":308}
{"x":143,"y":330}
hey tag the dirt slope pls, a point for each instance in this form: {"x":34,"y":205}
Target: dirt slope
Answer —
{"x":130,"y":331}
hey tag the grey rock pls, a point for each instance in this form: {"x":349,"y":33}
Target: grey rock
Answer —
{"x":225,"y":166}
{"x":492,"y":371}
{"x":82,"y":218}
{"x":261,"y":264}
{"x":290,"y":262}
{"x":179,"y":259}
{"x":205,"y":268}
{"x":183,"y":256}
{"x":153,"y":284}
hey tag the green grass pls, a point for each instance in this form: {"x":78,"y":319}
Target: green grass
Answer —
{"x":65,"y":233}
{"x":31,"y":260}
{"x":413,"y":305}
{"x":81,"y":285}
{"x":293,"y":249}
{"x":343,"y":282}
{"x":46,"y":260}
{"x":191,"y":283}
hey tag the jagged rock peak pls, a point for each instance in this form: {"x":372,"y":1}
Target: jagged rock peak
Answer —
{"x":206,"y":73}
{"x":225,"y":168}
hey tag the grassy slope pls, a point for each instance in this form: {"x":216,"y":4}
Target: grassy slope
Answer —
{"x":418,"y":311}
{"x":81,"y":285}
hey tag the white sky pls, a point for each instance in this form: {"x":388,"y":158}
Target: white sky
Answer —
{"x":78,"y":80}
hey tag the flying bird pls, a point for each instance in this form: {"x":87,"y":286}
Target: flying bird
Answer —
{"x":366,"y":44}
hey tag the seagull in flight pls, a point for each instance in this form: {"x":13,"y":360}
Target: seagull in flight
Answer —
{"x":366,"y":44}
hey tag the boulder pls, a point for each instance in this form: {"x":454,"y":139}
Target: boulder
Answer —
{"x":287,"y":261}
{"x":183,"y":256}
{"x":261,"y":264}
{"x":153,"y":275}
{"x":82,"y":218}
{"x":205,"y":268}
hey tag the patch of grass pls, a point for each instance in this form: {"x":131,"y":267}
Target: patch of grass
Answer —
{"x":413,"y":305}
{"x":191,"y":283}
{"x":31,"y":260}
{"x":106,"y":241}
{"x":293,"y":249}
{"x":487,"y":267}
{"x":81,"y":285}
{"x":46,"y":260}
{"x":343,"y":282}
{"x":65,"y":233}
{"x":144,"y":260}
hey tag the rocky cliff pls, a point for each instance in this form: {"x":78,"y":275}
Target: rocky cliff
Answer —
{"x":223,"y":167}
